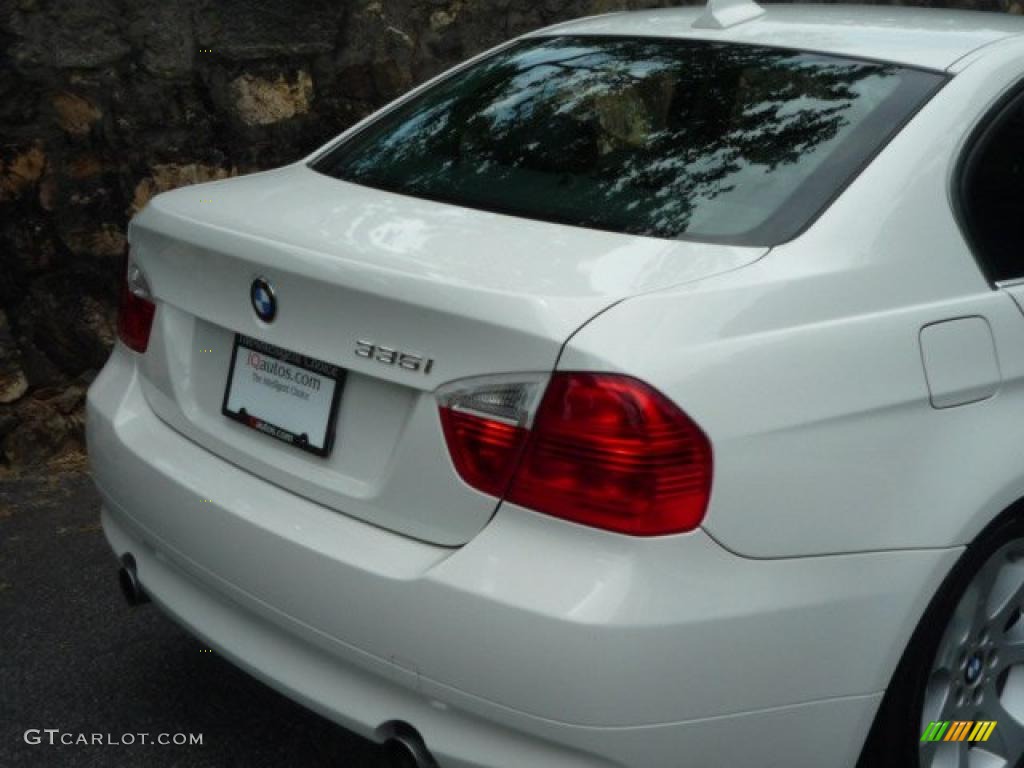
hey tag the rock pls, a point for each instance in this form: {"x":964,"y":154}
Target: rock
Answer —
{"x":75,"y":113}
{"x":13,"y":385}
{"x":72,"y":319}
{"x":104,"y":241}
{"x":260,"y":101}
{"x":86,"y":34}
{"x":443,"y":18}
{"x":18,"y":104}
{"x":242,"y":30}
{"x":32,"y":32}
{"x":171,"y":176}
{"x":440,"y":20}
{"x":39,"y":369}
{"x":13,"y":382}
{"x":376,"y":58}
{"x":85,"y":166}
{"x":22,"y":169}
{"x":29,"y":248}
{"x":168,"y":45}
{"x":71,"y":399}
{"x":108,"y":240}
{"x":48,"y":192}
{"x":8,"y":420}
{"x":41,"y":433}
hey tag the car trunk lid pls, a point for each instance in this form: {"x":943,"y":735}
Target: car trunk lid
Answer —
{"x":475,"y":293}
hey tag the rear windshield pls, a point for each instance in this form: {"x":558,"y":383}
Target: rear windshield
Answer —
{"x":665,"y":138}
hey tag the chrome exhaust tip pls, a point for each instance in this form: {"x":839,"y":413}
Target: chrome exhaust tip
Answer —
{"x":128,"y":580}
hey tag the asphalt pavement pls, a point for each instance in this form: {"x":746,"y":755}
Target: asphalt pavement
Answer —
{"x":75,"y":659}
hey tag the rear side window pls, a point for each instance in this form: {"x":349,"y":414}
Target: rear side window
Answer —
{"x":666,"y":138}
{"x":993,"y":196}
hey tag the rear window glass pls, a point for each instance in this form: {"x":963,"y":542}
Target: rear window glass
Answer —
{"x":665,"y":138}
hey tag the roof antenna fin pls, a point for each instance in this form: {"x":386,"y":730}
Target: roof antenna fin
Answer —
{"x":722,"y":14}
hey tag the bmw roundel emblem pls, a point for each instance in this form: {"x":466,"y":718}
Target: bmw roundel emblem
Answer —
{"x":264,"y":303}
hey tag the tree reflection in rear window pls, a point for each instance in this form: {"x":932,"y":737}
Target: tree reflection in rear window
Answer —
{"x":665,"y":138}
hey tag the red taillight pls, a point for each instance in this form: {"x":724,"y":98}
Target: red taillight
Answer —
{"x":135,"y":313}
{"x":484,"y":451}
{"x":604,"y":450}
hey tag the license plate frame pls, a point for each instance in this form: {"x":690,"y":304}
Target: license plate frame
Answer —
{"x":286,"y":359}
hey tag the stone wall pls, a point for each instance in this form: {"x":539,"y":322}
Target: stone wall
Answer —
{"x":104,"y":103}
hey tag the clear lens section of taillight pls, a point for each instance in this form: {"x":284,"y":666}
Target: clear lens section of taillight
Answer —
{"x":136,"y":310}
{"x":604,"y":450}
{"x":485,"y":423}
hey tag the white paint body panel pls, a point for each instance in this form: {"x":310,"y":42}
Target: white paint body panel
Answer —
{"x":376,"y":586}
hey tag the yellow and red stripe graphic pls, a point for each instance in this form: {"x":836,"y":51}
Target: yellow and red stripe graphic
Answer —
{"x":959,"y":730}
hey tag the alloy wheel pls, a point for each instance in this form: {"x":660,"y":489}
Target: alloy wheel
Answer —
{"x":978,"y":670}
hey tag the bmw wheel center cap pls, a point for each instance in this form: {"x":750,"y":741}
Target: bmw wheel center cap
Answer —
{"x":264,"y":303}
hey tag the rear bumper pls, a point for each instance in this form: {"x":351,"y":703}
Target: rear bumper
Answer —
{"x":538,"y":643}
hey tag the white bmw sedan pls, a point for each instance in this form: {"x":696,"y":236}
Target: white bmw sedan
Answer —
{"x":647,"y":392}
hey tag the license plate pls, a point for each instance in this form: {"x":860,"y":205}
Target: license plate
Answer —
{"x":288,"y":396}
